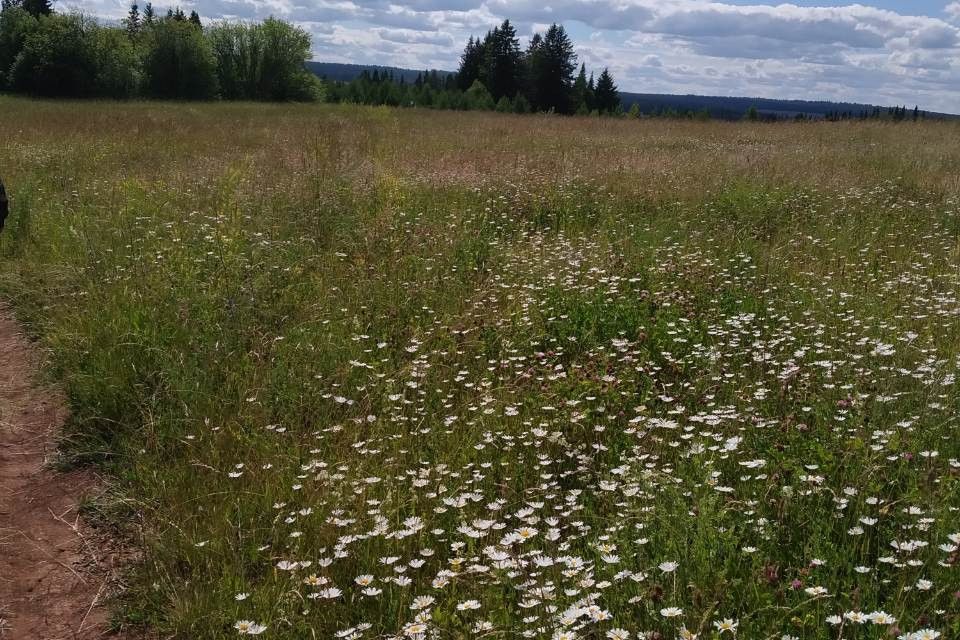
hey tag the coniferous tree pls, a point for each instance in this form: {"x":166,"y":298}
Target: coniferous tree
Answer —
{"x":37,"y":8}
{"x":470,"y":63}
{"x":195,"y":19}
{"x":521,"y":104}
{"x":501,"y":66}
{"x":582,"y":95}
{"x":132,"y":21}
{"x":607,"y":97}
{"x":148,"y":15}
{"x":531,"y":62}
{"x":551,"y":66}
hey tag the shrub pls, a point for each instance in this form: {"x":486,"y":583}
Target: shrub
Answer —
{"x":56,"y":59}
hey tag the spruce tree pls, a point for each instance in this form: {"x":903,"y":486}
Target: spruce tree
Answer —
{"x":608,"y":100}
{"x":531,"y":62}
{"x":148,"y":14}
{"x":132,"y":21}
{"x":195,"y":19}
{"x":470,"y":63}
{"x":37,"y":8}
{"x":502,"y":62}
{"x":552,"y":62}
{"x":582,"y":98}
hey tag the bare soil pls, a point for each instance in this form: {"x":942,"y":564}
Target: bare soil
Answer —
{"x":55,"y":571}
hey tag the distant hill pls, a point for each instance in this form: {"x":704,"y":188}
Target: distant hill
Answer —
{"x":346,"y":72}
{"x":722,"y":107}
{"x":732,"y":108}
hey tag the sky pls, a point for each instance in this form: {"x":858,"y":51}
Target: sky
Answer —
{"x":877,"y":52}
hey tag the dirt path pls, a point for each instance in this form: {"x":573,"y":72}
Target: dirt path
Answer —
{"x":53,"y":574}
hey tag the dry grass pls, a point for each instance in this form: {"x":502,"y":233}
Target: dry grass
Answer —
{"x":726,"y":345}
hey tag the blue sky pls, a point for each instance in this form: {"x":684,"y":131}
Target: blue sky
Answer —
{"x":917,"y":7}
{"x":874,"y":51}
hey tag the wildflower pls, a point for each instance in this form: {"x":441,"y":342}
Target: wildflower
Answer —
{"x":727,"y":624}
{"x":881,"y":617}
{"x":422,"y":602}
{"x":249,"y":628}
{"x":671,"y":612}
{"x":414,"y":629}
{"x":314,"y":580}
{"x":856,"y":616}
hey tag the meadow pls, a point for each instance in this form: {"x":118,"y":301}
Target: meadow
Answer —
{"x":375,"y":373}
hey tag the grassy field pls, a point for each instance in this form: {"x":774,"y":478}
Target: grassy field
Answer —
{"x":367,"y":373}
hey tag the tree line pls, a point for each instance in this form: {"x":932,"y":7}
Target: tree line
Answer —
{"x":496,"y":74}
{"x":896,"y":114}
{"x":172,"y":56}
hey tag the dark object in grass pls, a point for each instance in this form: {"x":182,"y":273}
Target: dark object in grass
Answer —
{"x":4,"y":207}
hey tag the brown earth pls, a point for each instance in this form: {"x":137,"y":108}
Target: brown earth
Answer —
{"x":55,"y":571}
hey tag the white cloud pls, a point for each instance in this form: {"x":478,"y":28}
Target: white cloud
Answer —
{"x":953,"y":11}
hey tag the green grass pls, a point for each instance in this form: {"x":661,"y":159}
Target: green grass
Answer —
{"x":722,"y":345}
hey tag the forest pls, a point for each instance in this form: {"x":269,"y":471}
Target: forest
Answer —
{"x":496,"y":74}
{"x":175,"y":56}
{"x":172,"y":56}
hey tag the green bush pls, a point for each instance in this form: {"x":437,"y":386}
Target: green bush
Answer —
{"x":16,"y":25}
{"x":117,"y":63}
{"x":56,"y":59}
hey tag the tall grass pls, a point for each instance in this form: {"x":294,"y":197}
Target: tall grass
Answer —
{"x":335,"y":359}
